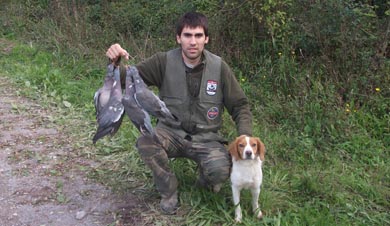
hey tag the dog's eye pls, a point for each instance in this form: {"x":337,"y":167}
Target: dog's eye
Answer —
{"x":241,"y":145}
{"x":254,"y":145}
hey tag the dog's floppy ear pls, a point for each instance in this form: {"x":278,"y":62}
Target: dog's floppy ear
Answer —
{"x":233,"y":149}
{"x":261,"y":148}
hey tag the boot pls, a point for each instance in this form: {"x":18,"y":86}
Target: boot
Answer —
{"x":169,"y":204}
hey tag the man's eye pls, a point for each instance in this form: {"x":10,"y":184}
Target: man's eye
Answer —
{"x":199,"y":35}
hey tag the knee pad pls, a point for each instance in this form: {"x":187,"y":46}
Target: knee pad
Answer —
{"x":216,"y":171}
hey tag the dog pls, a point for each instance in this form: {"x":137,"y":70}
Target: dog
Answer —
{"x":247,"y":158}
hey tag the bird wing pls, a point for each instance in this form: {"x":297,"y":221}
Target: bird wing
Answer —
{"x":138,"y":116}
{"x":111,"y":114}
{"x":146,"y":99}
{"x":96,"y":98}
{"x":105,"y":129}
{"x":102,"y":95}
{"x":152,"y":103}
{"x":109,"y":120}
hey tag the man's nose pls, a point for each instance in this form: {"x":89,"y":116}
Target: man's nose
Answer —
{"x":193,"y":40}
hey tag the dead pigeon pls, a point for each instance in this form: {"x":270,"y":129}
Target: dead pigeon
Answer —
{"x":139,"y":117}
{"x":110,"y":116}
{"x":146,"y":99}
{"x":102,"y":95}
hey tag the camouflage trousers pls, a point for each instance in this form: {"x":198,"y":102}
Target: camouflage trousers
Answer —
{"x":213,"y":160}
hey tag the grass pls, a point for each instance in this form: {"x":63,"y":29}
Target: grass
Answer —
{"x":324,"y":166}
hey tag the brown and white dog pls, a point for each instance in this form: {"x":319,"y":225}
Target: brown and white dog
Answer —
{"x":247,"y":157}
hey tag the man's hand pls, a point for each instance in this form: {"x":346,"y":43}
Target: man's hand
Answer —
{"x":115,"y":52}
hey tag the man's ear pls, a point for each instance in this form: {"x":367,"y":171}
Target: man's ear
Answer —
{"x":178,"y":39}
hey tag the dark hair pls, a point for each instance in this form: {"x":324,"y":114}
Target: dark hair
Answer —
{"x":193,"y":20}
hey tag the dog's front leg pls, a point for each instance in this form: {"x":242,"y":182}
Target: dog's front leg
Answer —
{"x":255,"y":202}
{"x":236,"y":200}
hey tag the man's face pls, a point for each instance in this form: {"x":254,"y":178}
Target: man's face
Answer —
{"x":192,"y":41}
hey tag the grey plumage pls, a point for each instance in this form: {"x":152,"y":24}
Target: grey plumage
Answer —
{"x":109,"y":114}
{"x":102,"y":95}
{"x":139,"y":117}
{"x":146,"y":99}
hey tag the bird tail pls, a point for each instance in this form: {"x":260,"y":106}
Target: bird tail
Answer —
{"x":100,"y":134}
{"x":104,"y":131}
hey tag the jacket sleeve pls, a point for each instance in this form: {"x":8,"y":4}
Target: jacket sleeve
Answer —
{"x":236,"y":102}
{"x":152,"y":69}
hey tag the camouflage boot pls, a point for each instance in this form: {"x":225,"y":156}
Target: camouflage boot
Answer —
{"x":166,"y":184}
{"x":169,"y":204}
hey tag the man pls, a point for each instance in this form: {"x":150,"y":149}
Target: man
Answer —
{"x":196,"y":86}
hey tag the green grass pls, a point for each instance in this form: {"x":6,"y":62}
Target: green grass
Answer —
{"x":324,"y":166}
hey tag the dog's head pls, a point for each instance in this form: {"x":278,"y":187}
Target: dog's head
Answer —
{"x":246,"y":147}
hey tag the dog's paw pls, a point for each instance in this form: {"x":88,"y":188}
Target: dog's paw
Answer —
{"x":217,"y":188}
{"x":238,"y":215}
{"x":259,"y":215}
{"x":238,"y":220}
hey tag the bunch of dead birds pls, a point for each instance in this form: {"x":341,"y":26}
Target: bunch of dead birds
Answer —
{"x":137,"y":102}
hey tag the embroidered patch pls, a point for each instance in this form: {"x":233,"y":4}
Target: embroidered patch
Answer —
{"x":211,"y":88}
{"x":212,"y":113}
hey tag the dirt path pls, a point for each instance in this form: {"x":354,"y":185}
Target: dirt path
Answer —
{"x":41,"y":178}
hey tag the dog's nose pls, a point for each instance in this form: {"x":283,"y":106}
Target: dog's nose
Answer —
{"x":248,"y":154}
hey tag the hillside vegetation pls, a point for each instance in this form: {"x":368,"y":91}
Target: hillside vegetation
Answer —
{"x":317,"y":74}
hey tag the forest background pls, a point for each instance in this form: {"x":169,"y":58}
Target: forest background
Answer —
{"x":317,"y":74}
